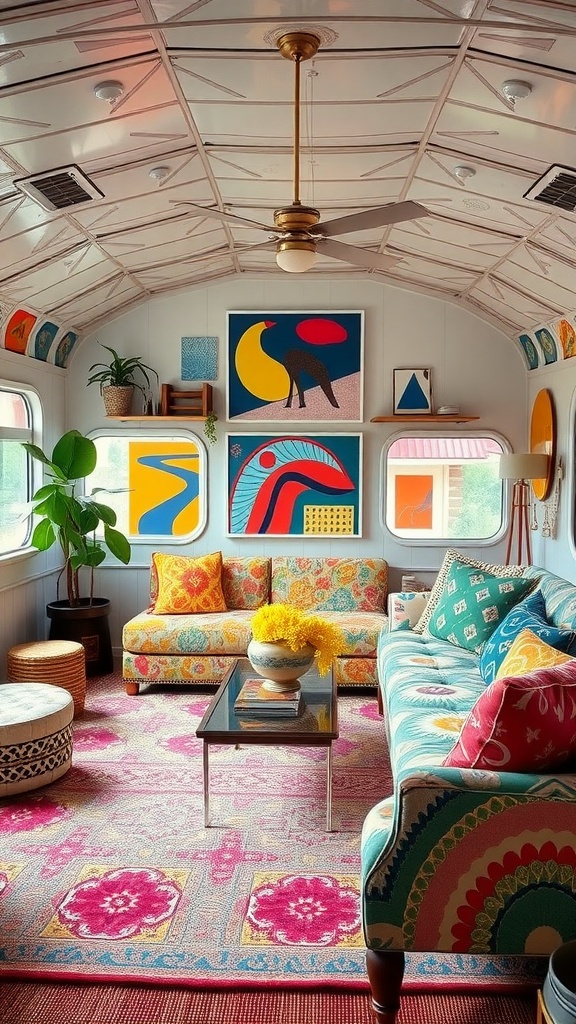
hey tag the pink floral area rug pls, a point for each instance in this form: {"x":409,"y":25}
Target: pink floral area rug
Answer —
{"x":109,"y":874}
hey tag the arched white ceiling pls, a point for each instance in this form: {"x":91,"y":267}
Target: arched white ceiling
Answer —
{"x":399,"y":96}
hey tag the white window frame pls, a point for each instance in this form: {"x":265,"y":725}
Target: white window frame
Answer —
{"x":33,"y":435}
{"x":441,"y":542}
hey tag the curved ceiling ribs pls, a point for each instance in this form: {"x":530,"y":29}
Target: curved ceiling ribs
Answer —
{"x":406,"y":106}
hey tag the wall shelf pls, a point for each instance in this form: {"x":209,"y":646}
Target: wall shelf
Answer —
{"x":425,"y":418}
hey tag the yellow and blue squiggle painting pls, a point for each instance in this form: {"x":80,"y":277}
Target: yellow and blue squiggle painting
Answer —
{"x":166,"y":488}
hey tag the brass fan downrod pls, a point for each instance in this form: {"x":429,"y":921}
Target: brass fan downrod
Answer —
{"x":297,"y":47}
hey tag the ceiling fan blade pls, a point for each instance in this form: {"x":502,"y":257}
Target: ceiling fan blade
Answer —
{"x":377,"y":218}
{"x":224,"y":251}
{"x":227,"y":218}
{"x":353,"y":254}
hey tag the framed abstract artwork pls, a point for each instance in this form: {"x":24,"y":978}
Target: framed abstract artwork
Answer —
{"x":287,"y":485}
{"x":199,"y":358}
{"x":412,"y":391}
{"x":295,"y":367}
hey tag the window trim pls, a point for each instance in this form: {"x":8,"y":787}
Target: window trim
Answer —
{"x":33,"y":435}
{"x":442,"y":542}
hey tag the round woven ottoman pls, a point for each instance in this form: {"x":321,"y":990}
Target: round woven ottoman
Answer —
{"x":35,"y":735}
{"x":60,"y":662}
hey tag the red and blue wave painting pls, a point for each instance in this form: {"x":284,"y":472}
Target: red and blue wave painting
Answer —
{"x":286,"y":485}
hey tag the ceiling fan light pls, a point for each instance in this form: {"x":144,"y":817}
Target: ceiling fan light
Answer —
{"x":295,"y":256}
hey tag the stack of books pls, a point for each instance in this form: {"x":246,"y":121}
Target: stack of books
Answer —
{"x":254,"y":699}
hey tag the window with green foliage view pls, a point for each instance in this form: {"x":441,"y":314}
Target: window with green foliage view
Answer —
{"x":16,"y":425}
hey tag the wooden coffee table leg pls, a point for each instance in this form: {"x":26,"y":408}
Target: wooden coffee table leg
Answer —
{"x":329,"y":789}
{"x":206,"y":784}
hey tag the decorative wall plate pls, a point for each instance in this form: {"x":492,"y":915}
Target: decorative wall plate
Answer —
{"x":543,"y":439}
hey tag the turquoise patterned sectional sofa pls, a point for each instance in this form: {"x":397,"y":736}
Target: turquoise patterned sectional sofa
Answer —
{"x":200,"y":648}
{"x":460,"y":860}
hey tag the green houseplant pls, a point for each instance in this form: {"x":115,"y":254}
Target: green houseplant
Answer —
{"x":70,"y":519}
{"x":119,"y":378}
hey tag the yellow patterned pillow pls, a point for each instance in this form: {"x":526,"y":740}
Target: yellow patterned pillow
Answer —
{"x":529,"y":652}
{"x":188,"y":585}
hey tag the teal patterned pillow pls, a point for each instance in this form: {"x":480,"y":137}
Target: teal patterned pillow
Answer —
{"x":473,"y":604}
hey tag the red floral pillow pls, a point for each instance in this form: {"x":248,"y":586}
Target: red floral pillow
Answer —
{"x":521,"y":723}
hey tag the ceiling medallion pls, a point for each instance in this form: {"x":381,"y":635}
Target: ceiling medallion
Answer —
{"x":326,"y":36}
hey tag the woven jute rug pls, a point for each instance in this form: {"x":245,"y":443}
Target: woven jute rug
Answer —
{"x":109,"y":874}
{"x":53,"y":1003}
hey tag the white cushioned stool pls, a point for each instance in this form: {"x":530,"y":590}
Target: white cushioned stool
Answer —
{"x":35,"y":735}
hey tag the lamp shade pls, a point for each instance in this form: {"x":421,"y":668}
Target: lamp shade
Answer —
{"x":524,"y":466}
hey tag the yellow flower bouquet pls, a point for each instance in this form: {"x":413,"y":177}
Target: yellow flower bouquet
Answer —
{"x":283,"y":623}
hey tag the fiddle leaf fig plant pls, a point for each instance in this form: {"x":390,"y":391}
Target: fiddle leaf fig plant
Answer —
{"x":71,"y":518}
{"x":121,"y":372}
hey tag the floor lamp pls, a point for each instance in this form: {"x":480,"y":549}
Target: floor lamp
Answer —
{"x":521,"y":469}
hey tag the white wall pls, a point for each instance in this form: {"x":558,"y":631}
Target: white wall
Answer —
{"x":473,"y":366}
{"x":27,"y":583}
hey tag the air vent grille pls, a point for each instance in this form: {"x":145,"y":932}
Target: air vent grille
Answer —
{"x":60,"y":188}
{"x":557,"y":187}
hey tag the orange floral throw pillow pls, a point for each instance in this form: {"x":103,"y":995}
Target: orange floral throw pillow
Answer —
{"x":187,"y":585}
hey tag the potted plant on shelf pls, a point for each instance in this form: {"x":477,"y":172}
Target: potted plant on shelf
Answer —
{"x":118,"y":379}
{"x":285,"y":641}
{"x":70,"y":519}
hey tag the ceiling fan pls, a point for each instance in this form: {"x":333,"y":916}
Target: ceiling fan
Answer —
{"x":298,"y":232}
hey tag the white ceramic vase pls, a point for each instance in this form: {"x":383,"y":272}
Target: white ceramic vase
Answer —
{"x":280,"y":666}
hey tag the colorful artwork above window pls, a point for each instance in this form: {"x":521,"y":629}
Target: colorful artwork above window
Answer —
{"x":412,"y":391}
{"x":42,"y":338}
{"x":160,"y":482}
{"x":529,"y":350}
{"x":297,"y":367}
{"x":413,"y":502}
{"x":567,"y":336}
{"x":548,"y":343}
{"x":17,"y":330}
{"x":64,"y":349}
{"x":284,"y":485}
{"x":199,"y":359}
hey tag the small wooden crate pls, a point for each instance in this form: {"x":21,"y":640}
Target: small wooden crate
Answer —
{"x":185,"y":403}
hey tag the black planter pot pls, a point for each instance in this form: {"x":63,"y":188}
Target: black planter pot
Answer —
{"x":86,"y":624}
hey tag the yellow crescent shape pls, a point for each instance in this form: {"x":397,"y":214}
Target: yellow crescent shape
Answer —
{"x":261,"y":375}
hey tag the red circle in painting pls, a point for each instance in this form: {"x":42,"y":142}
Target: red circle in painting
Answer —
{"x":267,"y":460}
{"x":321,"y":332}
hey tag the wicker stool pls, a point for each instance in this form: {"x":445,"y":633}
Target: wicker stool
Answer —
{"x":60,"y":662}
{"x":35,"y":735}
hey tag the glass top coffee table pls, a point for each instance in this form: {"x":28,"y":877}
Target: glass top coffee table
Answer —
{"x":316,"y":724}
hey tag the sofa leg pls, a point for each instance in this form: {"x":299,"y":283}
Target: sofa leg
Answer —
{"x":385,"y":973}
{"x":380,"y":703}
{"x":132,"y":688}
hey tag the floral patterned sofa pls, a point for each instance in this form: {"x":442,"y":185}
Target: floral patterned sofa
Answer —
{"x":200,"y":648}
{"x":466,"y":860}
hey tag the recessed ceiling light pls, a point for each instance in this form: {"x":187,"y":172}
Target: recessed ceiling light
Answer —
{"x":463,"y":172}
{"x":515,"y":90}
{"x":110,"y":90}
{"x":159,"y":173}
